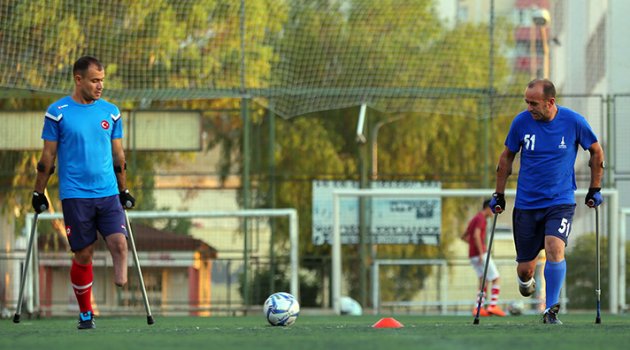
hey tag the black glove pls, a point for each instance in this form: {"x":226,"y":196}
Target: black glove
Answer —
{"x":497,"y":203}
{"x":593,"y":197}
{"x":126,"y":199}
{"x":40,"y":202}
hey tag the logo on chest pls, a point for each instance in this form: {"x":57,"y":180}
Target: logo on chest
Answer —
{"x":105,"y":124}
{"x":562,"y":145}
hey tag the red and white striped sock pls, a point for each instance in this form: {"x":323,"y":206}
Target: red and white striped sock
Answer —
{"x":494,"y":294}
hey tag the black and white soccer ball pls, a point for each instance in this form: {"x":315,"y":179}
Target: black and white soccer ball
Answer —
{"x":281,"y":309}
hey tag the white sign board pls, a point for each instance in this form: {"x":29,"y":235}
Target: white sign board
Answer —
{"x":390,"y":220}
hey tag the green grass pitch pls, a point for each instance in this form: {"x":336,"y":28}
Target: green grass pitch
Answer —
{"x":320,"y":332}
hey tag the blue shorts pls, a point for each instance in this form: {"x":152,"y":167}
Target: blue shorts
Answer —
{"x":530,"y":227}
{"x":84,"y":216}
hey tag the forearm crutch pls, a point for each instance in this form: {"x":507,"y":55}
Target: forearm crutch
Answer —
{"x":485,"y":270}
{"x":29,"y":251}
{"x":150,"y":319}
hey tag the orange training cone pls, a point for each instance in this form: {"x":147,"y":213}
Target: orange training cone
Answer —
{"x":387,"y":322}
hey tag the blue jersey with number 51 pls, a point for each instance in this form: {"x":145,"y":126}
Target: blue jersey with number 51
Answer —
{"x":548,"y":152}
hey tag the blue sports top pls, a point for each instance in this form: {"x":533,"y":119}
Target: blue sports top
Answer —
{"x":548,"y":151}
{"x":84,"y":134}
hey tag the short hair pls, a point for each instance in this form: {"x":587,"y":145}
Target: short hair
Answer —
{"x":486,"y":204}
{"x":549,"y":90}
{"x":82,"y":64}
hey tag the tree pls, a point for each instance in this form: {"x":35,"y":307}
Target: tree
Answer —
{"x":581,"y":280}
{"x":319,"y":56}
{"x":401,"y":45}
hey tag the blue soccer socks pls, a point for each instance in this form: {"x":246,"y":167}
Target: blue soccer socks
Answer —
{"x":554,"y":278}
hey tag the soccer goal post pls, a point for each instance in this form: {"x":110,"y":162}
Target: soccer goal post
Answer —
{"x":611,"y":202}
{"x":32,"y":291}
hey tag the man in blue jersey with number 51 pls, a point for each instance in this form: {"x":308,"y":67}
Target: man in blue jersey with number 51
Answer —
{"x":85,"y":133}
{"x":548,"y":137}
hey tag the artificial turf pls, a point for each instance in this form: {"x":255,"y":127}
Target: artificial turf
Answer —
{"x":320,"y":332}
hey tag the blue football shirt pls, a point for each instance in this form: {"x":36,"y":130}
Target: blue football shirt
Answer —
{"x":84,"y":134}
{"x":548,"y":152}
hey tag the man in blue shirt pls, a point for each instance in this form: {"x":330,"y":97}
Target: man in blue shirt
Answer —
{"x":548,"y":137}
{"x":85,"y":133}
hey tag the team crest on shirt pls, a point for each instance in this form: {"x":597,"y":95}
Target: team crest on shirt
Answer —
{"x":562,"y":145}
{"x":68,"y":231}
{"x":105,"y":124}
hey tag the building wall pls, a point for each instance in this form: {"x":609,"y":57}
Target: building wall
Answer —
{"x":588,"y":24}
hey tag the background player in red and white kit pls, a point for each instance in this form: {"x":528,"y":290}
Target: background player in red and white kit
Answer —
{"x":475,"y":235}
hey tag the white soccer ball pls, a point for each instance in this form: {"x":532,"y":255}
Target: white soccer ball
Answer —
{"x":517,"y":308}
{"x":281,"y":309}
{"x":350,"y":306}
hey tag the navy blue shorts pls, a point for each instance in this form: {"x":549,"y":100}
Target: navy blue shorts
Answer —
{"x":84,"y":216}
{"x":530,"y":227}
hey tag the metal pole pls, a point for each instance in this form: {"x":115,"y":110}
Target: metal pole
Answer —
{"x":375,"y":295}
{"x":336,"y":258}
{"x":533,"y":55}
{"x":545,"y":46}
{"x":293,"y":237}
{"x":363,"y":206}
{"x":610,"y":146}
{"x":486,"y":124}
{"x":374,"y":177}
{"x":246,"y":198}
{"x":246,"y":159}
{"x":623,"y":217}
{"x":614,"y":256}
{"x":363,"y":228}
{"x":272,"y":197}
{"x":374,"y":144}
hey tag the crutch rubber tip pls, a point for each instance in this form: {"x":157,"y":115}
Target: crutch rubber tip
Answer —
{"x":16,"y":318}
{"x":150,"y":320}
{"x":598,"y":320}
{"x":476,"y":321}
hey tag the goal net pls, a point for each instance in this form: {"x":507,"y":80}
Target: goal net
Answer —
{"x":294,"y":57}
{"x":218,"y":265}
